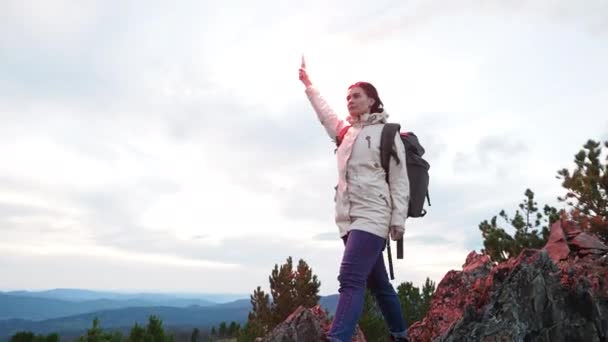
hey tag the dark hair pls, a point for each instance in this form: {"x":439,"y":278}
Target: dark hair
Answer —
{"x":370,"y":91}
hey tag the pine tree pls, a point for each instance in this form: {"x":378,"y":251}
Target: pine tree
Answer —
{"x":414,"y":306}
{"x":371,"y":321}
{"x":28,"y":336}
{"x":54,"y":337}
{"x":137,"y":334}
{"x":261,"y":312}
{"x":497,"y":243}
{"x":415,"y":302}
{"x":427,"y":294}
{"x":306,"y":286}
{"x":587,"y":189}
{"x":530,"y":225}
{"x":23,"y":336}
{"x":233,"y":329}
{"x":223,"y":330}
{"x":195,"y":335}
{"x":152,"y":332}
{"x":94,"y":334}
{"x":289,"y":289}
{"x":155,"y":331}
{"x":251,"y":331}
{"x":411,"y":301}
{"x":282,"y":291}
{"x":258,"y":320}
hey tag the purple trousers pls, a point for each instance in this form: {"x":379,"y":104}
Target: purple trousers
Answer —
{"x":363,"y":265}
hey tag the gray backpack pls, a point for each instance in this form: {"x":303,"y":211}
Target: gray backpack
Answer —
{"x":417,"y":174}
{"x":417,"y":167}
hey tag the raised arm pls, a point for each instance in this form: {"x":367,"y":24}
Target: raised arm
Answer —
{"x":326,"y":115}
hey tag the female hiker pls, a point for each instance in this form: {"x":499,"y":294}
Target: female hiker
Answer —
{"x":368,"y":209}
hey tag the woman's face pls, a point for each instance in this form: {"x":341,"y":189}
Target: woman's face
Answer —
{"x":358,"y":102}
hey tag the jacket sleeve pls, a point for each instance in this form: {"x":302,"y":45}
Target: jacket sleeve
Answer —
{"x":326,"y":115}
{"x":399,"y":185}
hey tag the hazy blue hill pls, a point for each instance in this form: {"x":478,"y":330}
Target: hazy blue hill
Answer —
{"x":176,"y":302}
{"x":109,"y":319}
{"x":124,"y":318}
{"x":237,"y":304}
{"x":79,"y":295}
{"x":34,"y":308}
{"x":330,"y":303}
{"x":30,"y":308}
{"x":75,"y":295}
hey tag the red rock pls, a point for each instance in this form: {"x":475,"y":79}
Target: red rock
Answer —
{"x":463,"y":300}
{"x":557,"y":247}
{"x":586,"y":241}
{"x":570,"y":229}
{"x":475,"y":260}
{"x":305,"y":325}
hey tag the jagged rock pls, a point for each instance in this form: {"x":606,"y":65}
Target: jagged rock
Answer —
{"x":542,"y":295}
{"x":304,"y":325}
{"x":533,"y":305}
{"x":456,"y":291}
{"x":584,"y":241}
{"x":476,"y":261}
{"x":571,"y":230}
{"x":556,"y":246}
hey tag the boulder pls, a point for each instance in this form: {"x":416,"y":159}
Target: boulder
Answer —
{"x":558,"y":293}
{"x":304,"y":325}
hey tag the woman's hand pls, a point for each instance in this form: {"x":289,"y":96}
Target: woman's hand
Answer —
{"x":397,"y":232}
{"x":304,"y":75}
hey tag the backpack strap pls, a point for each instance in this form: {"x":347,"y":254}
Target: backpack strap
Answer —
{"x":341,"y":135}
{"x":387,"y":150}
{"x":387,"y":146}
{"x":390,"y":258}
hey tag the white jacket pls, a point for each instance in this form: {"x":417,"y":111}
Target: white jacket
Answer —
{"x":364,"y":201}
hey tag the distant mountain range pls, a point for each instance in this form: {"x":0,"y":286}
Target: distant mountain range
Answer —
{"x":79,"y":295}
{"x":70,"y":312}
{"x":36,"y":309}
{"x":193,"y":316}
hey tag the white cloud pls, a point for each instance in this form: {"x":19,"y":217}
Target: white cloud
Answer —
{"x":48,"y":23}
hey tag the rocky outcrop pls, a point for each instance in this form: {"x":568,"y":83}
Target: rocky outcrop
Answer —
{"x":558,"y":293}
{"x":304,"y":325}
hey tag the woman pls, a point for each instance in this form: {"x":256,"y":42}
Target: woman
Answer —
{"x":368,"y":209}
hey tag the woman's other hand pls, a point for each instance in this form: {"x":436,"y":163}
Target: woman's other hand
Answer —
{"x":397,"y":232}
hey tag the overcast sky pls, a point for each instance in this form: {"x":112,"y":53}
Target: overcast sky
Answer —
{"x":169,"y":146}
